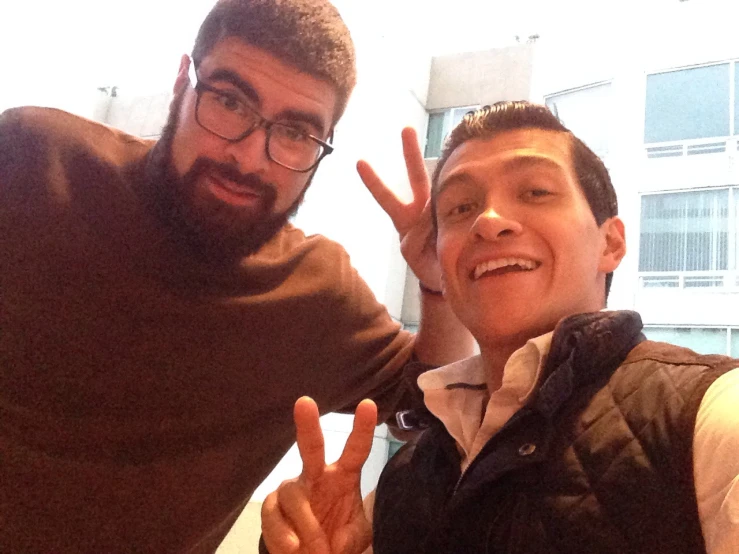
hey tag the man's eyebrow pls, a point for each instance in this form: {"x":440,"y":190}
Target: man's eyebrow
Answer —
{"x":454,"y":179}
{"x":230,"y":77}
{"x":532,"y":161}
{"x":311,"y":119}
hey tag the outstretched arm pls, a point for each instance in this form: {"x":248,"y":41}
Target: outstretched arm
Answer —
{"x":441,"y":338}
{"x":321,"y":511}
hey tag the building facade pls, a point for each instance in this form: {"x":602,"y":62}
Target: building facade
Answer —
{"x":661,"y":108}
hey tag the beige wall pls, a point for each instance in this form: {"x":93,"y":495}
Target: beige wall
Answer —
{"x":480,"y":77}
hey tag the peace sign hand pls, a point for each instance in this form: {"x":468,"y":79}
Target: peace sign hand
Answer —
{"x":321,"y":511}
{"x":412,"y":220}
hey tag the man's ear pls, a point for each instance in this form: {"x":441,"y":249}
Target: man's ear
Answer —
{"x":614,"y":247}
{"x":183,"y":79}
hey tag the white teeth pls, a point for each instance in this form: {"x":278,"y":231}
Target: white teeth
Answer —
{"x":492,"y":265}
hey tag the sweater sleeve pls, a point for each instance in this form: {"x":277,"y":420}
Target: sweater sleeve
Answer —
{"x":374,"y":347}
{"x":716,"y":464}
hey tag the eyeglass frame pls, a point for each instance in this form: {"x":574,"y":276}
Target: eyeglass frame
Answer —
{"x":261,"y":121}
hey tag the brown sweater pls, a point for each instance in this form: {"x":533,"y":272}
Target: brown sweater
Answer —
{"x":143,"y":395}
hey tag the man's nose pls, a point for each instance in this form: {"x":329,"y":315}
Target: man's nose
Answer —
{"x":250,"y":153}
{"x":493,"y":225}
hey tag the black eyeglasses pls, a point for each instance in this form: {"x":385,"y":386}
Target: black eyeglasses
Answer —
{"x":226,"y":114}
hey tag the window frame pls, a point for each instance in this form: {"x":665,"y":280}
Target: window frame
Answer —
{"x":547,"y":97}
{"x":686,"y":144}
{"x":676,"y":280}
{"x":728,"y":329}
{"x":446,"y":126}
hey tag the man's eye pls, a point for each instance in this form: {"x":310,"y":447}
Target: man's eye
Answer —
{"x":538,"y":193}
{"x":294,"y":134}
{"x":231,"y":103}
{"x":461,"y":209}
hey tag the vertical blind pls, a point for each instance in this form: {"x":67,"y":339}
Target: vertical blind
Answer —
{"x":686,"y":231}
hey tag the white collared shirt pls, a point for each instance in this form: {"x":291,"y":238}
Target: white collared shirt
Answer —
{"x":456,"y":395}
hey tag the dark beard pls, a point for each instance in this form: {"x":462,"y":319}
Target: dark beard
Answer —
{"x":214,"y":231}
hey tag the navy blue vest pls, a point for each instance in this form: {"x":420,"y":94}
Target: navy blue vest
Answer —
{"x":599,"y":462}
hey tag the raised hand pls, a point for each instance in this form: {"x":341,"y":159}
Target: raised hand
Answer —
{"x":412,"y":220}
{"x":321,"y":511}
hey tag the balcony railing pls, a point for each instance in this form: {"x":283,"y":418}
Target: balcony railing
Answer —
{"x":708,"y":281}
{"x":695,"y":147}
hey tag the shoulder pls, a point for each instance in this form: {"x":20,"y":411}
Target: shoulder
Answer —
{"x":315,"y":254}
{"x":667,"y":382}
{"x":47,"y":128}
{"x":295,"y":237}
{"x":718,"y":413}
{"x":671,"y":354}
{"x":312,"y":266}
{"x":716,"y":465}
{"x":683,"y":367}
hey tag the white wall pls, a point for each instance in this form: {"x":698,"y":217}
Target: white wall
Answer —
{"x":479,"y":78}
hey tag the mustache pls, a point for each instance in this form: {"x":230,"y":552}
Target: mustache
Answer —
{"x":203,"y":166}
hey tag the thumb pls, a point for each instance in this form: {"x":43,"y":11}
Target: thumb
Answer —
{"x":353,"y":538}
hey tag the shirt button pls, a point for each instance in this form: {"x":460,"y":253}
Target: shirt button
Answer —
{"x":527,"y":449}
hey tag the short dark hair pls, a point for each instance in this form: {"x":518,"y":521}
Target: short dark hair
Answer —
{"x":307,"y":34}
{"x":490,"y":121}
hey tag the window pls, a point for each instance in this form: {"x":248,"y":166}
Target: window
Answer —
{"x":690,"y":104}
{"x":685,"y":232}
{"x":736,"y":100}
{"x":439,"y":127}
{"x":586,"y":112}
{"x":704,"y":340}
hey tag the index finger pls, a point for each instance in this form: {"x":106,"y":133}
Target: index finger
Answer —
{"x":309,"y":437}
{"x":359,"y":443}
{"x":383,"y":195}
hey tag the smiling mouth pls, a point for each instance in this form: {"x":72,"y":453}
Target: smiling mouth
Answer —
{"x":503,"y":266}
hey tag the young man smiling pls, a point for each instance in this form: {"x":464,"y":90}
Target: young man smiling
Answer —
{"x":159,"y":314}
{"x":569,"y":432}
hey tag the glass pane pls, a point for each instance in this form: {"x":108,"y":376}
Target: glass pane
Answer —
{"x":587,"y":113}
{"x":393,"y":445}
{"x":736,"y":98}
{"x":434,"y":135}
{"x":687,"y":104}
{"x":702,"y":340}
{"x":457,"y":116}
{"x":685,"y":231}
{"x":735,"y":342}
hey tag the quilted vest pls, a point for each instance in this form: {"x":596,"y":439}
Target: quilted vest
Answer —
{"x":599,"y":462}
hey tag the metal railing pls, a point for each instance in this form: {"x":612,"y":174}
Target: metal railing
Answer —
{"x":719,"y":281}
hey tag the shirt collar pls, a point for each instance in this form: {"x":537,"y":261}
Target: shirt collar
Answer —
{"x":520,"y":373}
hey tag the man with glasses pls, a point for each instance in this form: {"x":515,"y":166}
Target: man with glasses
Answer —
{"x":159,"y":315}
